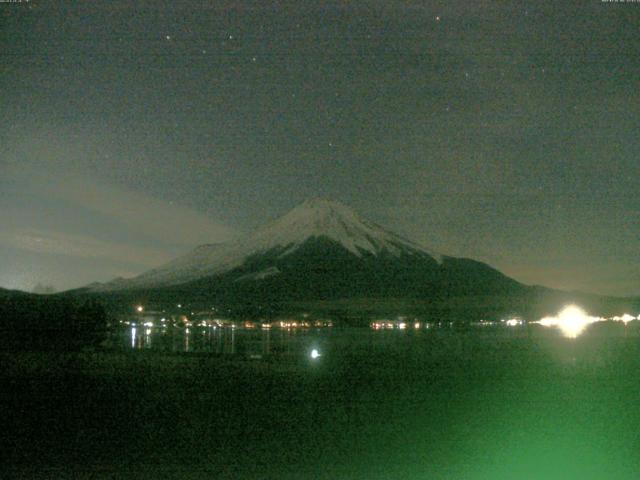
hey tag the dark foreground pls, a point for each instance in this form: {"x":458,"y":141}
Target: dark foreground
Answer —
{"x":419,"y":406}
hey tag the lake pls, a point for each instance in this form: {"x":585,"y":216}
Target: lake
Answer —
{"x":440,"y":403}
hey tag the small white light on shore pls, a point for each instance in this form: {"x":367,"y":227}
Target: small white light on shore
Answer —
{"x":315,"y":353}
{"x":140,"y":308}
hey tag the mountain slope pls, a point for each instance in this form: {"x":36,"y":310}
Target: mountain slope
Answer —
{"x":323,"y":255}
{"x":321,"y":269}
{"x":319,"y":250}
{"x":312,"y":219}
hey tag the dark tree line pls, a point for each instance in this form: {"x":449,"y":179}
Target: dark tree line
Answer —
{"x":37,"y":322}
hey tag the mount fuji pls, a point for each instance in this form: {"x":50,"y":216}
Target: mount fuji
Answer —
{"x":320,"y":250}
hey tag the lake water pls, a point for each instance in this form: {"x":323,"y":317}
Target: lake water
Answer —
{"x":476,"y":403}
{"x":254,"y":342}
{"x":598,"y":344}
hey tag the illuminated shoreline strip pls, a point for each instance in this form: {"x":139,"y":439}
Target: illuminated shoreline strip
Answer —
{"x":571,"y":321}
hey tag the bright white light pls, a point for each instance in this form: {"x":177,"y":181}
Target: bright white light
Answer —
{"x":572,"y":320}
{"x":513,"y":322}
{"x":402,"y":326}
{"x":140,"y":308}
{"x":315,"y":353}
{"x":626,"y":318}
{"x":133,"y":337}
{"x":148,"y":324}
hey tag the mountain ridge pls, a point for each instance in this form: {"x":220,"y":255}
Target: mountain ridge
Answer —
{"x":312,"y":219}
{"x":323,"y":253}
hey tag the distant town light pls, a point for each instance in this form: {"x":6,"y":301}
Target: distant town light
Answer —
{"x":140,"y":308}
{"x":315,"y":353}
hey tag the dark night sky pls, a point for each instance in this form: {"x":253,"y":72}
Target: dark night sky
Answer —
{"x":506,"y":132}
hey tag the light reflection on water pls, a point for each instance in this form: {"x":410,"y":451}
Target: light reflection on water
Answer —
{"x":592,"y":348}
{"x":250,"y":342}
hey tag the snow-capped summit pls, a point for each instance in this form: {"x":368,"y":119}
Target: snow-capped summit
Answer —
{"x":334,"y":221}
{"x":313,"y":219}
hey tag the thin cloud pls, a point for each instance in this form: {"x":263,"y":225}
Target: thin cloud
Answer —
{"x":172,"y":224}
{"x":81,"y":246}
